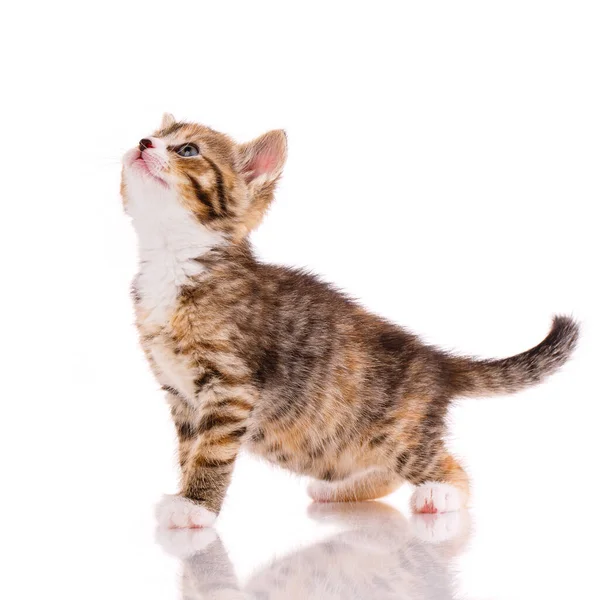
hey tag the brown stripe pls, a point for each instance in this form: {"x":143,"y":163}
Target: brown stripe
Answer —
{"x":235,"y":403}
{"x":229,"y":437}
{"x":258,"y":435}
{"x":212,"y":420}
{"x":378,"y":440}
{"x":401,"y":461}
{"x":238,"y":433}
{"x":186,"y":431}
{"x":211,"y":463}
{"x":203,"y":197}
{"x":209,"y":259}
{"x":329,"y":475}
{"x":220,"y":187}
{"x":209,"y":376}
{"x":172,"y":390}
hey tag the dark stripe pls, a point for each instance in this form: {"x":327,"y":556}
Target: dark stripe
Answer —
{"x":316,"y":453}
{"x":212,"y":420}
{"x":211,"y":463}
{"x":258,"y":435}
{"x":268,"y":368}
{"x":234,"y":403}
{"x":434,"y":419}
{"x":274,"y":447}
{"x":329,"y":475}
{"x":195,"y":497}
{"x":229,"y":437}
{"x":186,"y":431}
{"x":401,"y":461}
{"x":238,"y":433}
{"x":418,"y":470}
{"x":425,"y":469}
{"x":220,"y":187}
{"x":203,"y":197}
{"x":208,"y":260}
{"x":204,"y":380}
{"x":378,"y":440}
{"x":171,"y":390}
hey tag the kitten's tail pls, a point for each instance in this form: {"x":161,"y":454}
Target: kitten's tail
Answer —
{"x":472,"y":377}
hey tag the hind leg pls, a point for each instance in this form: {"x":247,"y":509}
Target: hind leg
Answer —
{"x":362,"y":486}
{"x":445,"y":488}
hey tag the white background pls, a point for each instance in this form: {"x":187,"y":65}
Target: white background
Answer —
{"x":443,"y":168}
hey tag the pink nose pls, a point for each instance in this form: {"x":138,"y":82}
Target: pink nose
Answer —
{"x":145,"y":143}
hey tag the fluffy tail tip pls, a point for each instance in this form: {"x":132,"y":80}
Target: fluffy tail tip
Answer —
{"x":563,"y":335}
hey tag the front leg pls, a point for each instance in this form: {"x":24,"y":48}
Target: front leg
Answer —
{"x":208,"y":447}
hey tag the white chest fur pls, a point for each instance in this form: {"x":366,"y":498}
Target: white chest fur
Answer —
{"x":170,"y":237}
{"x":161,"y":276}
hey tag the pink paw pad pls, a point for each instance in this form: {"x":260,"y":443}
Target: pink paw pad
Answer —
{"x":434,"y":497}
{"x":428,"y":508}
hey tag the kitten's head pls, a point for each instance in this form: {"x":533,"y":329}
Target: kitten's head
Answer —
{"x":224,"y":186}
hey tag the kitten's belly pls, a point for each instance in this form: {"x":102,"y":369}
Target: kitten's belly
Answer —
{"x":321,"y":457}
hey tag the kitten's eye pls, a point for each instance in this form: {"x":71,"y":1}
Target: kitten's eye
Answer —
{"x":188,"y":150}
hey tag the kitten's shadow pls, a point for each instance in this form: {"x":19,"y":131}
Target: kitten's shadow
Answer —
{"x":379,"y":555}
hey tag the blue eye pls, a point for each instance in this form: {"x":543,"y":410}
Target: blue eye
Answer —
{"x":188,"y":150}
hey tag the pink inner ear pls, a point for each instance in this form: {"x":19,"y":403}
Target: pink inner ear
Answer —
{"x":263,"y":157}
{"x":263,"y":163}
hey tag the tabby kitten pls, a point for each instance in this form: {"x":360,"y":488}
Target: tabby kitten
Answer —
{"x":275,"y":360}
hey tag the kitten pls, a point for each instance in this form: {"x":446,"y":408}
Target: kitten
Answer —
{"x":275,"y":360}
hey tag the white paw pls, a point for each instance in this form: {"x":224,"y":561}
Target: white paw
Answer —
{"x":177,"y":512}
{"x":436,"y":528}
{"x":183,"y":543}
{"x":433,"y":497}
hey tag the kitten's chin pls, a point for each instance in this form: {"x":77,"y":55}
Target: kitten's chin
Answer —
{"x":130,"y":157}
{"x":133,"y":161}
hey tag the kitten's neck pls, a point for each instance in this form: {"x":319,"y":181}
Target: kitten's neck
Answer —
{"x":166,"y":229}
{"x":179,"y":245}
{"x":172,"y":244}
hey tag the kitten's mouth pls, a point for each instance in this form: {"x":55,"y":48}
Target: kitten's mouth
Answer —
{"x":140,"y":164}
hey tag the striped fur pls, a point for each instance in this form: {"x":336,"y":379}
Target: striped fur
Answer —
{"x":274,"y":359}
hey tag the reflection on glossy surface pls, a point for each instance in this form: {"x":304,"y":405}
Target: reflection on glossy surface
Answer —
{"x":377,"y":555}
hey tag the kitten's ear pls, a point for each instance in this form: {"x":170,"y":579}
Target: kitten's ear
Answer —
{"x":167,"y":120}
{"x":262,"y":159}
{"x":261,"y":164}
